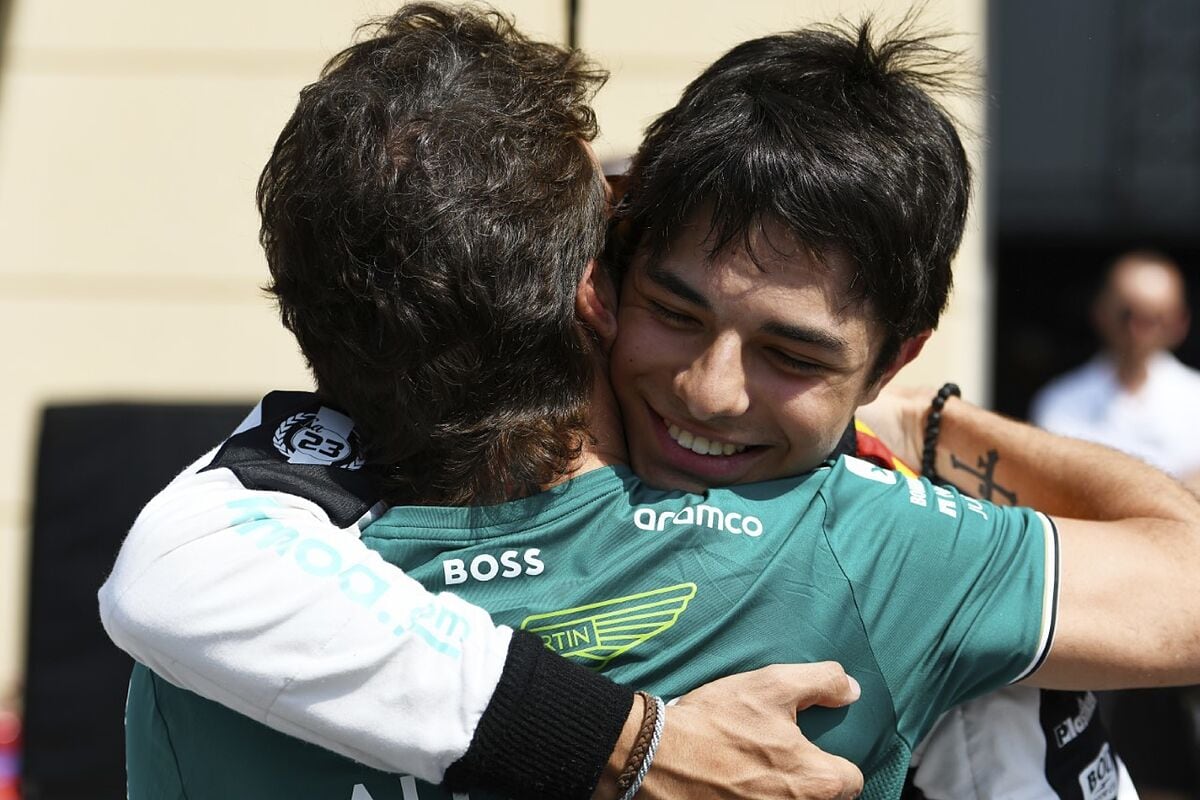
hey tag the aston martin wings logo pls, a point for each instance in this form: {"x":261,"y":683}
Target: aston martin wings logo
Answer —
{"x":595,"y":634}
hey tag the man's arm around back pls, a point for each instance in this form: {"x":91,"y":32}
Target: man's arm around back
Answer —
{"x":215,"y":600}
{"x":1129,"y":599}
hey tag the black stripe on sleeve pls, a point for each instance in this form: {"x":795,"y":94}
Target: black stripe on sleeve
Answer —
{"x":548,"y":730}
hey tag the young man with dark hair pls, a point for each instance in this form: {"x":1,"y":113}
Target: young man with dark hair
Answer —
{"x":834,"y":137}
{"x":802,"y":547}
{"x":812,"y":163}
{"x":728,"y":349}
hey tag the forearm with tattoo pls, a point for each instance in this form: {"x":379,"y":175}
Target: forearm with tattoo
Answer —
{"x":985,"y":472}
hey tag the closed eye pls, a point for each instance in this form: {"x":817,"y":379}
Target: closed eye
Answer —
{"x":669,"y":315}
{"x":792,"y":363}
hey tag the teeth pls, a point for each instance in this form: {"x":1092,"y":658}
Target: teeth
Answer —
{"x":702,"y":445}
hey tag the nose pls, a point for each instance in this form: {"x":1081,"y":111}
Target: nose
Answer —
{"x":714,"y":384}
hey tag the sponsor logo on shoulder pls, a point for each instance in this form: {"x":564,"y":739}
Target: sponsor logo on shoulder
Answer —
{"x":1100,"y":779}
{"x":324,"y":437}
{"x":865,"y":469}
{"x":703,"y":515}
{"x":947,"y":503}
{"x":595,"y":634}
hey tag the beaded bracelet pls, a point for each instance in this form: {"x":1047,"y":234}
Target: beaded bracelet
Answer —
{"x":933,"y":427}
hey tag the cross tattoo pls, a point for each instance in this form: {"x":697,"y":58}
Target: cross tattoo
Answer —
{"x":986,"y":475}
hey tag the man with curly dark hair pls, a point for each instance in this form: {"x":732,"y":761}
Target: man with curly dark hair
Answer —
{"x":469,"y":188}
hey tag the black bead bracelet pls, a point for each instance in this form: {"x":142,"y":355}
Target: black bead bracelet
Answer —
{"x":933,"y":427}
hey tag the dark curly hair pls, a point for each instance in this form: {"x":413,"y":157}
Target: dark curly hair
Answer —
{"x":427,"y":215}
{"x":835,"y":135}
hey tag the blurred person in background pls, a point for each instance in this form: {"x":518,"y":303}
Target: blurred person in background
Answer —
{"x":1134,"y":395}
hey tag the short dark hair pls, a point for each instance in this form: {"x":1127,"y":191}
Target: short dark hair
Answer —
{"x":836,"y":137}
{"x":427,"y":214}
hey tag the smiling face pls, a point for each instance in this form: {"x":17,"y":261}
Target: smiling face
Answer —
{"x":728,"y":371}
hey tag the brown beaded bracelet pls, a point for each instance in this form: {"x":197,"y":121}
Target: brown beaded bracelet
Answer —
{"x":933,"y":427}
{"x":637,"y":753}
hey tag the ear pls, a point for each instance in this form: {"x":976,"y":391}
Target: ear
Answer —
{"x":909,"y":349}
{"x":596,"y":303}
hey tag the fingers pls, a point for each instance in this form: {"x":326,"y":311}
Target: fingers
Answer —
{"x":791,"y":686}
{"x":799,"y":686}
{"x":741,"y":731}
{"x":832,"y":778}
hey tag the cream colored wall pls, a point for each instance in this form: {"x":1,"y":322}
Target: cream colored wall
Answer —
{"x":131,"y":134}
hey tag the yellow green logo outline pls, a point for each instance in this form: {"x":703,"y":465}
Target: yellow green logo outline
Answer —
{"x":597,"y":633}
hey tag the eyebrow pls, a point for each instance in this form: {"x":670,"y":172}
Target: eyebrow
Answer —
{"x":807,"y":335}
{"x":677,"y":286}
